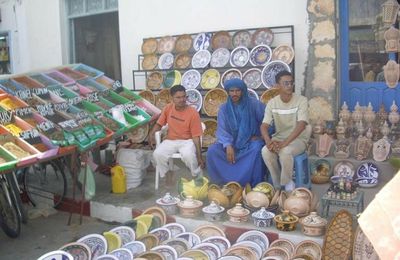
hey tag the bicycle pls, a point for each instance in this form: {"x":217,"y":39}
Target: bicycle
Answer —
{"x":10,"y":213}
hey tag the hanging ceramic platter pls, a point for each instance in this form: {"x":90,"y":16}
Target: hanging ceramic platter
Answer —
{"x":367,"y":175}
{"x":163,"y":98}
{"x":191,"y":79}
{"x":283,"y":53}
{"x":78,"y":250}
{"x":122,"y":254}
{"x":260,"y":55}
{"x":239,"y":57}
{"x":172,"y":78}
{"x":206,"y":231}
{"x":166,"y":44}
{"x":202,"y":41}
{"x":230,"y":74}
{"x":57,"y":254}
{"x":269,"y":94}
{"x":344,"y":169}
{"x":253,"y":93}
{"x":201,"y":59}
{"x":136,"y":247}
{"x":127,"y":234}
{"x":137,"y":136}
{"x":210,"y":79}
{"x":149,"y":46}
{"x":183,"y":43}
{"x":168,"y":252}
{"x":256,"y":236}
{"x":270,"y":70}
{"x":263,"y":36}
{"x":166,"y":61}
{"x":241,"y":38}
{"x":154,"y":80}
{"x":362,"y":247}
{"x":182,"y":60}
{"x":309,"y":247}
{"x":211,"y":250}
{"x":252,"y":78}
{"x":209,"y":133}
{"x":194,"y":98}
{"x":148,"y":95}
{"x":175,"y":228}
{"x":220,"y":57}
{"x":97,"y":244}
{"x":221,"y":39}
{"x":220,"y":241}
{"x":149,"y":61}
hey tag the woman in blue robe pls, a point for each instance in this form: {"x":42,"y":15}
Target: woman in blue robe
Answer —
{"x":236,"y":155}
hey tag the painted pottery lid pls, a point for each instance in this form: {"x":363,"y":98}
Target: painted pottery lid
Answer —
{"x":286,"y":216}
{"x":189,"y":202}
{"x":168,"y":199}
{"x":238,"y":211}
{"x":263,"y":214}
{"x":314,"y":220}
{"x":213,"y":208}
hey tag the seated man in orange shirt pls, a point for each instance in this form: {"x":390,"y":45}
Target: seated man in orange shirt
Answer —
{"x":183,"y":136}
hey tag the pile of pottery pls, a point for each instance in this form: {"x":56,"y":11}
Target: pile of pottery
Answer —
{"x":262,"y":195}
{"x":227,"y":196}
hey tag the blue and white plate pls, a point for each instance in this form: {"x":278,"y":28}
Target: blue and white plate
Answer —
{"x":201,"y":59}
{"x":222,"y":242}
{"x":194,"y":98}
{"x":168,"y":252}
{"x":175,"y":228}
{"x":56,"y":255}
{"x":127,"y":234}
{"x":97,"y":244}
{"x":220,"y":57}
{"x":122,"y":254}
{"x":162,"y":234}
{"x":166,"y":61}
{"x":367,"y":174}
{"x":239,"y":57}
{"x":212,"y":250}
{"x":191,"y":79}
{"x":255,"y":236}
{"x":136,"y":247}
{"x":192,"y":238}
{"x":253,"y":93}
{"x":260,"y":55}
{"x":78,"y":250}
{"x":270,"y":70}
{"x":230,"y":74}
{"x":252,"y":78}
{"x":202,"y":41}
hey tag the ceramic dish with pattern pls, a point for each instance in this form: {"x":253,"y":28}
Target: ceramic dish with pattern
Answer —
{"x":166,"y":61}
{"x":179,"y":244}
{"x":220,"y":241}
{"x":191,"y":79}
{"x":220,"y":57}
{"x":192,"y":238}
{"x":362,"y":247}
{"x":57,"y":254}
{"x":107,"y":257}
{"x":252,"y":78}
{"x":175,"y":228}
{"x":256,"y":236}
{"x":230,"y":74}
{"x":182,"y":60}
{"x":149,"y":46}
{"x":166,"y":44}
{"x":202,"y":41}
{"x":114,"y":241}
{"x":344,"y":169}
{"x":148,"y":95}
{"x":122,"y":254}
{"x":212,"y":250}
{"x":154,"y":80}
{"x":280,"y":252}
{"x":172,"y":78}
{"x":194,"y":98}
{"x":183,"y":43}
{"x":241,"y":38}
{"x":229,"y":257}
{"x":151,"y":255}
{"x":97,"y":244}
{"x":367,"y":175}
{"x":269,"y":94}
{"x":262,"y":36}
{"x":239,"y":57}
{"x":251,"y":245}
{"x":320,"y":171}
{"x":127,"y":234}
{"x":149,"y":61}
{"x":149,"y":240}
{"x":162,"y":234}
{"x":253,"y":93}
{"x":137,"y":136}
{"x":209,"y":133}
{"x":260,"y":55}
{"x":136,"y":247}
{"x":213,"y":99}
{"x":243,"y":252}
{"x":201,"y":59}
{"x":302,"y":257}
{"x":196,"y":254}
{"x":163,"y":98}
{"x":210,"y":79}
{"x":283,"y":53}
{"x":221,"y":39}
{"x":309,"y":247}
{"x":284,"y":243}
{"x":168,"y":252}
{"x":206,"y":231}
{"x":78,"y":250}
{"x":157,"y":211}
{"x":270,"y":70}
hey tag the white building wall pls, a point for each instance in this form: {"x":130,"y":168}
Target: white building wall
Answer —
{"x":143,"y":19}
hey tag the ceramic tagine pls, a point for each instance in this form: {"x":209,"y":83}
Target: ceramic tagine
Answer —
{"x":190,"y":207}
{"x":313,"y":225}
{"x":213,"y":212}
{"x":262,"y":217}
{"x":385,"y":130}
{"x":168,"y":203}
{"x":286,"y":221}
{"x":238,"y":213}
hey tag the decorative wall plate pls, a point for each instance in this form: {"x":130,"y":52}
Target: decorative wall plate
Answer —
{"x":362,"y":247}
{"x":136,"y":247}
{"x":183,"y":43}
{"x":213,"y":99}
{"x":127,"y":234}
{"x":239,"y":57}
{"x":149,"y":61}
{"x":148,"y":95}
{"x":97,"y":244}
{"x":202,"y":41}
{"x":191,"y":79}
{"x":309,"y":247}
{"x":241,"y":38}
{"x":344,"y":169}
{"x":221,"y":39}
{"x":201,"y":59}
{"x":179,"y":244}
{"x":149,"y":46}
{"x":182,"y":60}
{"x":57,"y":254}
{"x":270,"y":70}
{"x":260,"y":55}
{"x":220,"y":57}
{"x":122,"y":254}
{"x":166,"y":61}
{"x":168,"y":252}
{"x":78,"y":250}
{"x":154,"y":80}
{"x":230,"y":74}
{"x":367,"y":174}
{"x":137,"y":136}
{"x":220,"y":241}
{"x":256,"y":236}
{"x":252,"y":78}
{"x":253,"y":93}
{"x":206,"y":231}
{"x":210,"y":79}
{"x":194,"y":98}
{"x":283,"y":53}
{"x":166,"y":44}
{"x":175,"y":228}
{"x":269,"y":94}
{"x":263,"y":36}
{"x":212,"y":250}
{"x":172,"y":78}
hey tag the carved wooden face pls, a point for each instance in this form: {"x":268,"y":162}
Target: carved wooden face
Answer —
{"x":381,"y":149}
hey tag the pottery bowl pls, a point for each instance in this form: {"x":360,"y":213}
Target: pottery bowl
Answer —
{"x":257,"y":199}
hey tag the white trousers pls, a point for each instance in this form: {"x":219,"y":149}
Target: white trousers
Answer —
{"x":186,"y":148}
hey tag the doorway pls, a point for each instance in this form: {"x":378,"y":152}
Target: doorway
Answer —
{"x":96,"y":43}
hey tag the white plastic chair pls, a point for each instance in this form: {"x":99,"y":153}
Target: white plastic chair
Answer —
{"x":177,"y":155}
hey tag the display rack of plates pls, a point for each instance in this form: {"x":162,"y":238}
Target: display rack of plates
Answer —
{"x":203,"y":61}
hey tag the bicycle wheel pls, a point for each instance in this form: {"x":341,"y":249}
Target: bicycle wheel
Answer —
{"x":9,"y":220}
{"x":16,"y":197}
{"x":45,"y":183}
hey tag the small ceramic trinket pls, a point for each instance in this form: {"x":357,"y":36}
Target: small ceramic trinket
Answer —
{"x":382,"y":115}
{"x":369,"y":115}
{"x":262,"y":218}
{"x":394,"y":116}
{"x":190,"y":207}
{"x":168,"y":203}
{"x":313,"y":225}
{"x":238,"y":213}
{"x":340,"y":129}
{"x":213,"y":212}
{"x":385,"y":130}
{"x":356,"y":116}
{"x":345,"y":114}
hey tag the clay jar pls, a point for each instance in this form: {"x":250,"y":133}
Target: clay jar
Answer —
{"x":299,"y":202}
{"x":238,"y":214}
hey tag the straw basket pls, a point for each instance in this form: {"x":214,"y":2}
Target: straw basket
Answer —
{"x":209,"y":133}
{"x":154,"y":80}
{"x":213,"y":99}
{"x":269,"y":94}
{"x":148,"y":95}
{"x":163,"y":98}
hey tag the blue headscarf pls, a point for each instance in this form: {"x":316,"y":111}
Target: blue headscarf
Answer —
{"x":241,"y":120}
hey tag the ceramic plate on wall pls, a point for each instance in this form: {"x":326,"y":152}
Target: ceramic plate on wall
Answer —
{"x":149,"y":61}
{"x":221,"y":39}
{"x":230,"y":74}
{"x":166,"y":61}
{"x":194,"y":98}
{"x":263,"y":36}
{"x":172,"y":78}
{"x":252,"y":78}
{"x":210,"y":79}
{"x":283,"y":53}
{"x":270,"y":70}
{"x":149,"y":46}
{"x":154,"y":80}
{"x":239,"y":57}
{"x":253,"y":93}
{"x":182,"y":60}
{"x":202,"y":41}
{"x":201,"y":59}
{"x":166,"y":44}
{"x":260,"y":55}
{"x":220,"y":57}
{"x":183,"y":43}
{"x":241,"y":38}
{"x":191,"y":79}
